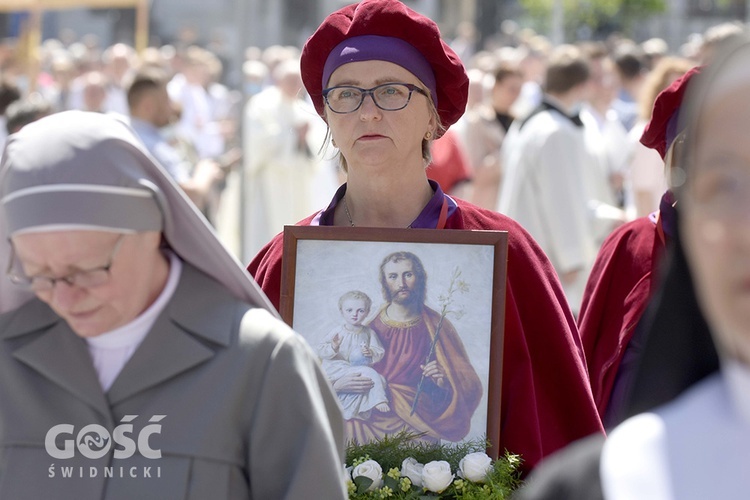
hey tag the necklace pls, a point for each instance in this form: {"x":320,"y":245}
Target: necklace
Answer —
{"x":349,"y":216}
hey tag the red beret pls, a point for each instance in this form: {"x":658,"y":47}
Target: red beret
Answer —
{"x":661,"y":130}
{"x":388,"y":18}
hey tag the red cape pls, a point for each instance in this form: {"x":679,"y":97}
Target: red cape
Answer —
{"x":450,"y":166}
{"x":618,"y":289}
{"x":546,"y":399}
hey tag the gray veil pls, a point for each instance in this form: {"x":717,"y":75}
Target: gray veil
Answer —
{"x":80,"y":170}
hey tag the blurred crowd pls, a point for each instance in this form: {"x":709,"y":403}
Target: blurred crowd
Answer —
{"x":255,"y":158}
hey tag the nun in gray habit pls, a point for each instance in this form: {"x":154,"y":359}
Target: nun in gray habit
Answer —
{"x":689,"y":436}
{"x":138,"y":360}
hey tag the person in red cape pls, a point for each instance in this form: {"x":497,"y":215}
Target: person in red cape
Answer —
{"x":625,"y":274}
{"x":450,"y":164}
{"x":386,"y":84}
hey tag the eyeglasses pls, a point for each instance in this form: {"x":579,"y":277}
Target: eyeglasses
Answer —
{"x":88,"y":278}
{"x":388,"y":97}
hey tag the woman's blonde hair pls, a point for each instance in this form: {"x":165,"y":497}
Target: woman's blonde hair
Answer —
{"x":664,"y":73}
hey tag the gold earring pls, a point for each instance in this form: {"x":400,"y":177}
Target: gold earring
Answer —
{"x":427,"y":136}
{"x":333,"y":143}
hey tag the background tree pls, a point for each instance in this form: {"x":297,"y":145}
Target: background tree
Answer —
{"x":591,"y":19}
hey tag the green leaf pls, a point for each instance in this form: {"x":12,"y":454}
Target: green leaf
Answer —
{"x":362,"y":483}
{"x":391,"y":483}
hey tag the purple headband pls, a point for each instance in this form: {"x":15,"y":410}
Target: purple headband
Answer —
{"x":381,"y":48}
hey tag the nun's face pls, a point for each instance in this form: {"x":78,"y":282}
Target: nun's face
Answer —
{"x":136,"y":270}
{"x":716,"y":219}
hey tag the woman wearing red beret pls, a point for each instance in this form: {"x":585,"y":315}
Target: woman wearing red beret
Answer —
{"x":625,"y":274}
{"x":387,"y":86}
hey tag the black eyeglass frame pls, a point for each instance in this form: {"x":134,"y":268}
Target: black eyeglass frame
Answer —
{"x":371,"y":92}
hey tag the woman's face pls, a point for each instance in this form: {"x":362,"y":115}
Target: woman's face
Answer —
{"x":136,"y":271}
{"x":716,"y":219}
{"x":371,"y":136}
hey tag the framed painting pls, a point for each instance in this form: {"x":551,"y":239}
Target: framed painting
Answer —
{"x":408,"y":325}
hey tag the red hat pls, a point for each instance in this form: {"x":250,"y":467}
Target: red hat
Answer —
{"x":391,"y":19}
{"x":661,"y":130}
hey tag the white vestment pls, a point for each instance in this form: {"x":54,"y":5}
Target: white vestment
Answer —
{"x":198,"y":121}
{"x":607,"y":141}
{"x":545,"y":161}
{"x":279,"y":167}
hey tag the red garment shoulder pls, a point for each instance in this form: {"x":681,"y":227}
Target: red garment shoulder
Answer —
{"x":266,"y":265}
{"x":545,"y":381}
{"x":617,"y":291}
{"x":450,"y":164}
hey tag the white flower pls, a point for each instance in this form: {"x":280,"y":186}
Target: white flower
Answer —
{"x":413,"y":470}
{"x":436,"y":476}
{"x":348,"y":472}
{"x":475,"y":467}
{"x":370,"y":469}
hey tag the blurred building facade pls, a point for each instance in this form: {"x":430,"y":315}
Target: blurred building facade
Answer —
{"x":225,"y":26}
{"x":228,"y":26}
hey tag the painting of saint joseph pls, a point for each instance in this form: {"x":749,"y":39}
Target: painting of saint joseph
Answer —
{"x":433,"y":388}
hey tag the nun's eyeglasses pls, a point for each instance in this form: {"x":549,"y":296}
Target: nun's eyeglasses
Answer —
{"x":87,"y":278}
{"x":388,"y":97}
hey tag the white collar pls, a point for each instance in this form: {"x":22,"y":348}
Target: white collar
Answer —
{"x":737,"y":376}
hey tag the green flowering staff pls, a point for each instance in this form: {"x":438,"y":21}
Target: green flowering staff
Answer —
{"x":445,"y":301}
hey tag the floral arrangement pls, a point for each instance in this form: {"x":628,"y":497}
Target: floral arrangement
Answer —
{"x":402,"y":467}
